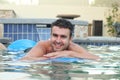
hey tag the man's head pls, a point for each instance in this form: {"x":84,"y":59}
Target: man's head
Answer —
{"x":61,"y":33}
{"x":63,"y":23}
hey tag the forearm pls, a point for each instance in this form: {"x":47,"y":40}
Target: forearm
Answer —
{"x":67,"y":53}
{"x":26,"y":58}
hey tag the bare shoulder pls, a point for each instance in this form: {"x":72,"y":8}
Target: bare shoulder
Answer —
{"x":39,"y":49}
{"x":72,"y":44}
{"x":75,"y":46}
{"x":43,"y":43}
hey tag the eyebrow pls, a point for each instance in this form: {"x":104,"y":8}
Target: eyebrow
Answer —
{"x":57,"y":35}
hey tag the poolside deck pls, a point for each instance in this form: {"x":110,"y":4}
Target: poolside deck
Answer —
{"x":98,"y":41}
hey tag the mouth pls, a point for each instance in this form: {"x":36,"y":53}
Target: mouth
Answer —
{"x":58,"y":46}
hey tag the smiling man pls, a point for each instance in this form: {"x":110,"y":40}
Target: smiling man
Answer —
{"x":59,"y":45}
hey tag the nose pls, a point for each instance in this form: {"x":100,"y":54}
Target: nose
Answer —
{"x":58,"y":40}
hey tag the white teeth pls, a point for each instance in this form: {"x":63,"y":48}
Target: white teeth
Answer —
{"x":58,"y":45}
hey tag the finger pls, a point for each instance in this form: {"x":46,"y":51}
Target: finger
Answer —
{"x":44,"y":58}
{"x":50,"y":55}
{"x":56,"y":56}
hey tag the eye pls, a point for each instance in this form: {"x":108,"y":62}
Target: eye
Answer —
{"x":63,"y":36}
{"x":55,"y":35}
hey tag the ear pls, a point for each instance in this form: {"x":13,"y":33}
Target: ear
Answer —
{"x":71,"y":38}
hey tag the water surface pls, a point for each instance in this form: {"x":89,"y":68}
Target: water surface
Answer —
{"x":108,"y":68}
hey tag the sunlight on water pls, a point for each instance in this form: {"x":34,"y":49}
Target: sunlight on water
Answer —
{"x":108,"y":68}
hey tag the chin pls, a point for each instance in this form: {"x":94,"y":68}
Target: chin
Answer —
{"x":58,"y":49}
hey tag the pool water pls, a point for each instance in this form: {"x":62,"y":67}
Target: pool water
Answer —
{"x":108,"y":68}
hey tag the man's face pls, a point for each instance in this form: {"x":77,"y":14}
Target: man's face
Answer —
{"x":60,"y":38}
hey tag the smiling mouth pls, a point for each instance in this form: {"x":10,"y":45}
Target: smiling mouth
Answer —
{"x":58,"y":46}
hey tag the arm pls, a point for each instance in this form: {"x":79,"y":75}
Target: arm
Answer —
{"x":73,"y":51}
{"x":36,"y":52}
{"x":80,"y":52}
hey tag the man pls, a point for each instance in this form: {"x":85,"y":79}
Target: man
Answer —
{"x":2,"y":47}
{"x":59,"y":45}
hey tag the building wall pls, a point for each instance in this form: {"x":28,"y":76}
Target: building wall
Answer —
{"x":51,"y":11}
{"x":86,"y":13}
{"x":1,"y":30}
{"x":5,"y":14}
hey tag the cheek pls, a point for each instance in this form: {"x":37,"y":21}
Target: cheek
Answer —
{"x":66,"y":41}
{"x":52,"y":39}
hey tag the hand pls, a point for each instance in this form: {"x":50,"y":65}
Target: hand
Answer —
{"x":57,"y":54}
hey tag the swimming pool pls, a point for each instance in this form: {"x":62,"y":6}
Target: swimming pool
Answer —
{"x":79,"y":69}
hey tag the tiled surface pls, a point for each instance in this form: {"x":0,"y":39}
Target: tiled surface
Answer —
{"x":44,"y":33}
{"x":1,"y":30}
{"x":98,"y":41}
{"x":25,"y":31}
{"x":80,"y":31}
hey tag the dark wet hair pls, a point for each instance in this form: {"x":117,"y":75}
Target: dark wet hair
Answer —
{"x":63,"y":23}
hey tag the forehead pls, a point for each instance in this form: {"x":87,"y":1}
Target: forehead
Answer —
{"x":60,"y":30}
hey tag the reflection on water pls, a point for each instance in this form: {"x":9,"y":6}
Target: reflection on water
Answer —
{"x":106,"y":69}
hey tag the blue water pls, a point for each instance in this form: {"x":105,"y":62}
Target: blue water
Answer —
{"x":108,"y":68}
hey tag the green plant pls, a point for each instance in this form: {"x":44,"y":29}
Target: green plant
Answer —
{"x":113,"y":15}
